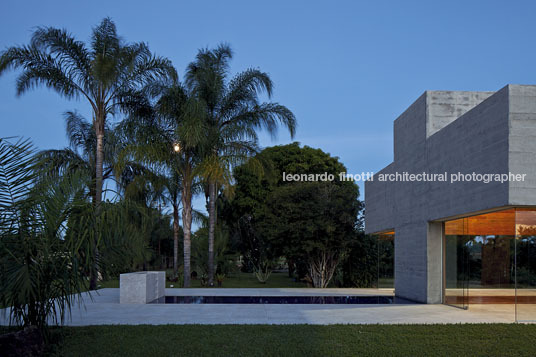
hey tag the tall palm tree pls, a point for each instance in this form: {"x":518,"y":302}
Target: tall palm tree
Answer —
{"x":172,"y":196}
{"x":234,"y":113}
{"x":79,"y":156}
{"x":108,"y":74}
{"x":168,"y":134}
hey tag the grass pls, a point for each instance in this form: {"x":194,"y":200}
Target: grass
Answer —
{"x":298,"y":340}
{"x":239,"y":280}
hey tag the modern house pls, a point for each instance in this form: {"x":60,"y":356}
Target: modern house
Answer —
{"x":460,"y":199}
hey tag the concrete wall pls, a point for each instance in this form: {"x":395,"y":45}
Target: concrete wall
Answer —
{"x":522,"y":143}
{"x":410,"y":131}
{"x":481,"y":132}
{"x":443,"y":107}
{"x":475,"y":142}
{"x":380,"y":205}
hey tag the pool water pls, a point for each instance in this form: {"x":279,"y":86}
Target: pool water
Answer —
{"x":381,"y":299}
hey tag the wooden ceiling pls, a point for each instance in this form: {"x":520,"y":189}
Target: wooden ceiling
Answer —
{"x":507,"y":222}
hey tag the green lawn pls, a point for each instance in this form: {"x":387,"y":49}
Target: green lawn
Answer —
{"x":240,"y":280}
{"x":298,"y":340}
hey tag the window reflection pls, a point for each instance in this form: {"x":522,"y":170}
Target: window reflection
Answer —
{"x":526,"y":264}
{"x":491,"y":259}
{"x":386,"y":259}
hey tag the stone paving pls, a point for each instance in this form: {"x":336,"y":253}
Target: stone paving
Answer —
{"x":105,"y":309}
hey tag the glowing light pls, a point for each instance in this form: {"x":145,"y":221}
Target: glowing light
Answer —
{"x":176,"y":147}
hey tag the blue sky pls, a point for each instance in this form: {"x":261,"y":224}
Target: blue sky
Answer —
{"x":347,"y":69}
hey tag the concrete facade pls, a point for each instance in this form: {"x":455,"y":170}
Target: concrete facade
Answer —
{"x":450,"y":132}
{"x":142,"y":287}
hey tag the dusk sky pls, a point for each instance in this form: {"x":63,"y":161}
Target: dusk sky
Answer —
{"x":346,"y":69}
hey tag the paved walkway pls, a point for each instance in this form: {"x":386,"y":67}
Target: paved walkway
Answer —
{"x":105,"y":309}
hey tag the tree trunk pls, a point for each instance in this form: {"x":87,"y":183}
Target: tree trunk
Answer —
{"x":187,"y":224}
{"x":322,"y":267}
{"x":175,"y":240}
{"x":211,"y":230}
{"x":99,"y":163}
{"x":290,"y":264}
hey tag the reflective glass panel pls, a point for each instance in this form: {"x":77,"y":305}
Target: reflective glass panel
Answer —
{"x":386,"y":260}
{"x":480,"y":259}
{"x":526,"y":264}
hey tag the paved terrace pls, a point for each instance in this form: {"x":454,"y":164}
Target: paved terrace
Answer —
{"x":105,"y":309}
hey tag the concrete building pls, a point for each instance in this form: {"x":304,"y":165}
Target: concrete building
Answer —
{"x":460,"y":235}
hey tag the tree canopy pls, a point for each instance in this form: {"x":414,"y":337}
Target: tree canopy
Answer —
{"x":309,"y":223}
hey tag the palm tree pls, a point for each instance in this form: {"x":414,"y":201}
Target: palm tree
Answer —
{"x":167,"y":134}
{"x":108,"y":74}
{"x":41,"y":268}
{"x":234,"y":113}
{"x":79,"y":156}
{"x":172,"y":185}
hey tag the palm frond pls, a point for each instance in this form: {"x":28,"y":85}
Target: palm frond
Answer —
{"x":265,"y":116}
{"x":67,"y":50}
{"x":56,"y":163}
{"x":17,"y":175}
{"x":38,"y":68}
{"x":80,"y":132}
{"x":104,"y":38}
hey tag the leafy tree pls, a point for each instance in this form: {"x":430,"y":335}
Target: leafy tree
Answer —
{"x":224,"y":259}
{"x":315,"y":223}
{"x":310,"y":223}
{"x":233,"y":114}
{"x":108,"y":74}
{"x":259,"y":251}
{"x":161,"y":241}
{"x":359,"y":267}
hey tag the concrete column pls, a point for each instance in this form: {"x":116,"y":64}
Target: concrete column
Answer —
{"x":418,"y":261}
{"x":411,"y":261}
{"x":434,"y":247}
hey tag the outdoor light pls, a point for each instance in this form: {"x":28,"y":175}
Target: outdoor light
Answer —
{"x":176,"y":147}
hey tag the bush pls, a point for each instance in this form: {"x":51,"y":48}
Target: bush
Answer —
{"x":360,"y":266}
{"x":42,"y":269}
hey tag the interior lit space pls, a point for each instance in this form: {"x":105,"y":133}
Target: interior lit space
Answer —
{"x":491,"y":259}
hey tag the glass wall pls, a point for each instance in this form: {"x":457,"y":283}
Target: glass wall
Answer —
{"x":525,"y":264}
{"x":490,"y":259}
{"x":386,"y":260}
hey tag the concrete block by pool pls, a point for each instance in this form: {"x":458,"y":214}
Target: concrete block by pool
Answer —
{"x":142,"y":287}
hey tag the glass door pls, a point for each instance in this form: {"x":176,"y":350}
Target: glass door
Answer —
{"x":457,"y":251}
{"x":386,"y":260}
{"x":525,"y":261}
{"x":479,"y":259}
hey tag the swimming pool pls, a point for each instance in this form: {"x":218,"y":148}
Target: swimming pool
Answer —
{"x":372,"y":300}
